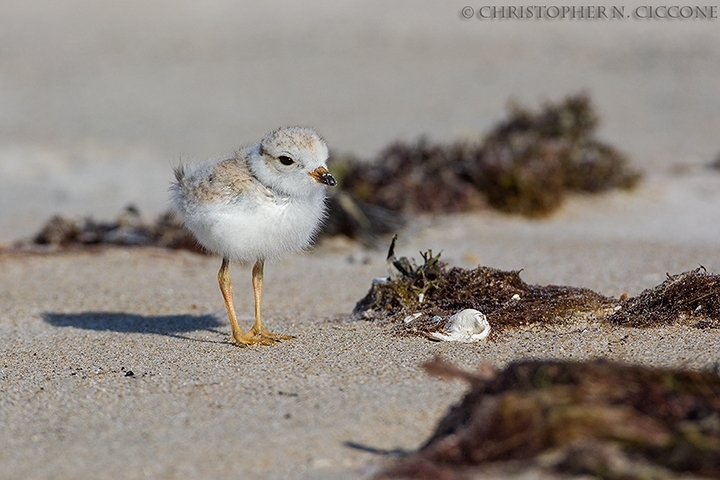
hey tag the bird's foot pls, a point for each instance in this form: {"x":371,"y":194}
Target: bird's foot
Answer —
{"x":259,"y":337}
{"x":272,"y":336}
{"x":252,"y":338}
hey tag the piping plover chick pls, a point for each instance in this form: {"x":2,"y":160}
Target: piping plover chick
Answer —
{"x":262,"y":202}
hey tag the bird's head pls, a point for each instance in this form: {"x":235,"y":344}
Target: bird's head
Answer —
{"x":292,"y":160}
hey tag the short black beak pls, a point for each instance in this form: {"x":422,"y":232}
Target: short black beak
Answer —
{"x":328,"y":179}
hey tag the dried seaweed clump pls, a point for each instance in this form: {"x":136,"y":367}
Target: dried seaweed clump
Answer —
{"x":690,"y":298}
{"x":422,"y":293}
{"x":128,"y":229}
{"x":415,"y":178}
{"x":600,"y":418}
{"x":525,"y":165}
{"x":529,"y":162}
{"x":359,"y":220}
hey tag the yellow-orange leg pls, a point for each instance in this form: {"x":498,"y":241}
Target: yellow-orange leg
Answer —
{"x":257,"y":283}
{"x":226,"y":287}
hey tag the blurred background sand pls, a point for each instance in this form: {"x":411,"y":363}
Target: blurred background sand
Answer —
{"x":99,"y":99}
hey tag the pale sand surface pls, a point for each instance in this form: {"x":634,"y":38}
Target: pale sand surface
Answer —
{"x":99,"y":100}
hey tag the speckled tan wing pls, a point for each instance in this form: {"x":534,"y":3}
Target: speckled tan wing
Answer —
{"x":224,"y":181}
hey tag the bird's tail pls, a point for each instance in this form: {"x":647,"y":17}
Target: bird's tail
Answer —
{"x":179,"y":172}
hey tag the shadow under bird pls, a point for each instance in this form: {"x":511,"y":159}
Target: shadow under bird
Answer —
{"x":259,"y":204}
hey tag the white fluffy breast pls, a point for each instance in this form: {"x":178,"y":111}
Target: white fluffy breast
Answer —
{"x":260,"y":228}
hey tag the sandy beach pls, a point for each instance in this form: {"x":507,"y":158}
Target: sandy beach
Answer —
{"x":115,"y":362}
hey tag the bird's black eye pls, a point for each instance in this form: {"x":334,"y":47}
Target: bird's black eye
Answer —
{"x":285,"y":160}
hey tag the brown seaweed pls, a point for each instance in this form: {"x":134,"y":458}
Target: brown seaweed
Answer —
{"x":601,"y":418}
{"x":128,"y":229}
{"x":419,"y":299}
{"x":690,"y":298}
{"x":522,"y":171}
{"x":433,"y":290}
{"x":527,"y":164}
{"x":358,"y":220}
{"x":415,"y":178}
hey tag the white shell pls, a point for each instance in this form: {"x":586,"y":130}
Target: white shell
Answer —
{"x":465,"y":326}
{"x":412,"y":317}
